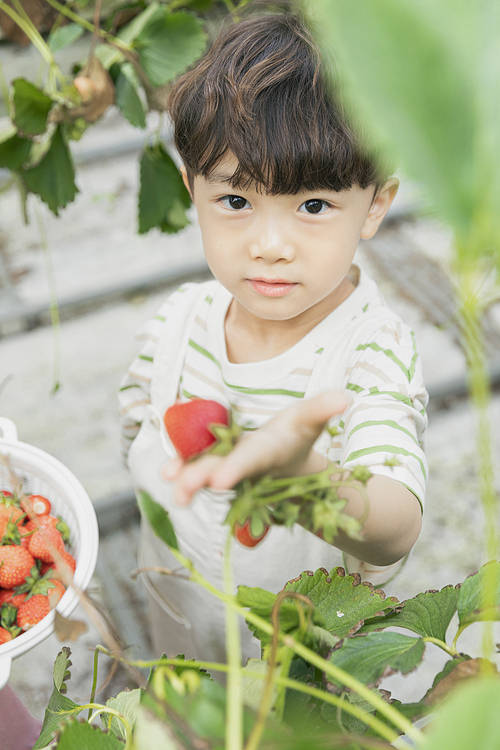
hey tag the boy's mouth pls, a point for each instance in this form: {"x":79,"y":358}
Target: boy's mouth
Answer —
{"x":272,"y":287}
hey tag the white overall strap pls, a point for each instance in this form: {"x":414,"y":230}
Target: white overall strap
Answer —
{"x":169,"y":357}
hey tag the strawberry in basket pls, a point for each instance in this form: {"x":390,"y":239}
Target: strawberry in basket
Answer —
{"x":34,"y":562}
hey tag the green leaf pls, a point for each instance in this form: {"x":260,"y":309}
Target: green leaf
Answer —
{"x":375,"y":655}
{"x":261,"y":602}
{"x":253,"y":686}
{"x":110,"y":55}
{"x":127,"y":703}
{"x":151,"y":732}
{"x":468,"y":719}
{"x":479,"y":596}
{"x":53,"y":178}
{"x":127,"y":97}
{"x":427,"y":614}
{"x":14,"y":152}
{"x":158,"y":518}
{"x":163,"y":198}
{"x":169,"y":44}
{"x":411,"y":91}
{"x":31,"y":107}
{"x":342,"y":602}
{"x":84,"y":736}
{"x":57,"y":702}
{"x":64,"y":36}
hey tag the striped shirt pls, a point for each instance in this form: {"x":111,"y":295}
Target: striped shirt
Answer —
{"x":378,"y":364}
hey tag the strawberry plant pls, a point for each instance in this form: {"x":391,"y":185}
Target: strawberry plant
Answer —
{"x":205,"y":426}
{"x":134,"y":53}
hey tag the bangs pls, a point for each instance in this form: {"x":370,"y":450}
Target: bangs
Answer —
{"x":260,"y":94}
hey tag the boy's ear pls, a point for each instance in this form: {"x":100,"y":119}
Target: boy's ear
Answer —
{"x":381,"y":203}
{"x":185,"y":180}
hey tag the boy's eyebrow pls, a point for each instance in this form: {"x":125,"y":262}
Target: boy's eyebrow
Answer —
{"x":214,"y":177}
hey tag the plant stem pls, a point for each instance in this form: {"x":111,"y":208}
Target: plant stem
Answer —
{"x":337,"y":674}
{"x":234,"y":707}
{"x":94,"y":680}
{"x":479,"y":387}
{"x":301,"y":687}
{"x":438,"y":642}
{"x":31,"y":32}
{"x":109,"y":38}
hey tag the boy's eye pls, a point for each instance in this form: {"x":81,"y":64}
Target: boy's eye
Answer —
{"x":236,"y":202}
{"x":314,"y":206}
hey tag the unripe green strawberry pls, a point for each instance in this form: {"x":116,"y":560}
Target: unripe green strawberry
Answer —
{"x":188,"y":425}
{"x":32,"y":611}
{"x":15,"y":564}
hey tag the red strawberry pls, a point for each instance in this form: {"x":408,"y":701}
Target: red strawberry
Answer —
{"x":188,"y":425}
{"x":246,"y":537}
{"x":37,"y":505}
{"x":55,"y":591}
{"x":64,"y":567}
{"x":41,"y":522}
{"x":4,"y":636}
{"x":10,"y":511}
{"x":9,"y":596}
{"x":15,"y":564}
{"x":32,"y":611}
{"x":43,"y":543}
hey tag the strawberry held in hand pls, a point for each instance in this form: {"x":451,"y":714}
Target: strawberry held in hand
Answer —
{"x":189,"y":425}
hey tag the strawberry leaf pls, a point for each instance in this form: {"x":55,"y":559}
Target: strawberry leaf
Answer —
{"x":127,"y":97}
{"x":64,"y":35}
{"x":53,"y":178}
{"x":14,"y":151}
{"x":52,"y":721}
{"x":341,"y":600}
{"x":169,"y":44}
{"x":163,"y":198}
{"x":469,"y":719}
{"x":475,"y":590}
{"x":427,"y":614}
{"x":375,"y":655}
{"x":31,"y":107}
{"x":84,"y":736}
{"x":126,"y":703}
{"x":158,"y":518}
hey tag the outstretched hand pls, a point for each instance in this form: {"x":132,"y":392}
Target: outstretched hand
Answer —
{"x":281,"y":447}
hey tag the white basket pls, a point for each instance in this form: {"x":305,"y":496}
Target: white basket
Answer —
{"x":42,"y":474}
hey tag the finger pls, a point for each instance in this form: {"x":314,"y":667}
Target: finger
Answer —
{"x":193,"y":477}
{"x":252,"y":456}
{"x":171,"y":468}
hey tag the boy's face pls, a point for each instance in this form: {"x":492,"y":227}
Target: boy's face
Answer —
{"x":284,"y":257}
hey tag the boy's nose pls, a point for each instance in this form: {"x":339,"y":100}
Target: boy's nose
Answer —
{"x":271,"y":244}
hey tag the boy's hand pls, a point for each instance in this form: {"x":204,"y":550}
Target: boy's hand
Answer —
{"x":282,"y":447}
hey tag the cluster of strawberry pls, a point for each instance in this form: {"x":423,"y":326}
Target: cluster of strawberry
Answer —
{"x":205,"y":426}
{"x":34,"y":561}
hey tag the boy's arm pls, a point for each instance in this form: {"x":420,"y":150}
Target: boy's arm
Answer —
{"x":284,"y":447}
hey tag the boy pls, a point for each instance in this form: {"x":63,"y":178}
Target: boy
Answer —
{"x":290,"y":334}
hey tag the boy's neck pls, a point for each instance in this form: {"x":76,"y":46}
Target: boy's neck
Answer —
{"x":252,"y":339}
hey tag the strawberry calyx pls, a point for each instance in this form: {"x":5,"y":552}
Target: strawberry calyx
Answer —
{"x":311,"y":500}
{"x":8,"y":617}
{"x":11,"y":534}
